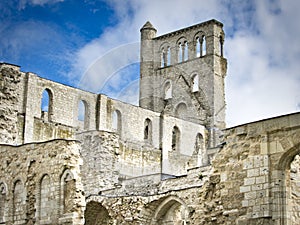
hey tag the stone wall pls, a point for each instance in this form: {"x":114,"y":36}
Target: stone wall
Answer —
{"x":41,"y":183}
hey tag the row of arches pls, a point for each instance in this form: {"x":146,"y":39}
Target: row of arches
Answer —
{"x":194,"y":86}
{"x":47,"y":109}
{"x":46,"y":200}
{"x":197,"y":47}
{"x":171,"y":210}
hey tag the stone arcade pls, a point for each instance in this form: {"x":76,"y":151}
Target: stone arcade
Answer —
{"x":169,"y":161}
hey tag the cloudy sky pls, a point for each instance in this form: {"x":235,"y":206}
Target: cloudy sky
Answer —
{"x":94,"y":45}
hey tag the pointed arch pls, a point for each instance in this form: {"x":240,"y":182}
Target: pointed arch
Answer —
{"x":47,"y":104}
{"x":67,"y":188}
{"x":171,"y":211}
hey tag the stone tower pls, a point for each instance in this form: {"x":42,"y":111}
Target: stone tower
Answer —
{"x":182,"y":74}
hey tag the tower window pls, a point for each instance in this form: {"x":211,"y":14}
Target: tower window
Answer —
{"x":148,"y":130}
{"x":175,"y":139}
{"x":168,"y":90}
{"x":180,"y":52}
{"x":186,"y":51}
{"x":195,"y":83}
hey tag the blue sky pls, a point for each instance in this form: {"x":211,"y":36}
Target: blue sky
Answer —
{"x":93,"y":44}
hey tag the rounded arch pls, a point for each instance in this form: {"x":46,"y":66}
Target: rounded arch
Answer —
{"x":182,"y":49}
{"x":165,"y":54}
{"x":83,"y":113}
{"x":116,"y":118}
{"x":46,"y":198}
{"x":172,"y":209}
{"x":19,"y":202}
{"x":96,"y":213}
{"x":47,"y":103}
{"x":200,"y":44}
{"x":168,"y":90}
{"x":181,"y":110}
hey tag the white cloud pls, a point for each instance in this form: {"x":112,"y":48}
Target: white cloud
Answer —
{"x":262,"y":48}
{"x":24,"y":3}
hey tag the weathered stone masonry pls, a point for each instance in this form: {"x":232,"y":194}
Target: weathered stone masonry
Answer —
{"x":169,"y":161}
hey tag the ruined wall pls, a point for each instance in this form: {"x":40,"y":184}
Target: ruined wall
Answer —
{"x":252,"y":180}
{"x":41,"y":183}
{"x":11,"y":101}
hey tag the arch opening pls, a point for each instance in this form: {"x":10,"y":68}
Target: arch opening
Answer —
{"x":46,"y":104}
{"x":83,"y":114}
{"x":171,"y":211}
{"x":175,"y":139}
{"x":148,"y":130}
{"x":117,"y":121}
{"x":95,"y":213}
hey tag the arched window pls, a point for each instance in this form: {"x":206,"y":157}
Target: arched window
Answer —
{"x":117,"y":121}
{"x":46,"y":104}
{"x":203,"y":46}
{"x":199,"y":150}
{"x":176,"y":139}
{"x":19,"y":203}
{"x":3,"y":193}
{"x":168,"y":90}
{"x":95,"y":213}
{"x":171,"y":211}
{"x":195,"y":83}
{"x":46,"y":199}
{"x":169,"y":56}
{"x":67,"y":187}
{"x":163,"y":58}
{"x":198,"y":47}
{"x":148,"y":130}
{"x":186,"y":51}
{"x":181,"y":110}
{"x":180,"y":52}
{"x":83,"y":114}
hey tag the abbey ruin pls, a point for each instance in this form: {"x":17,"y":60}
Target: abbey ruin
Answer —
{"x":170,"y":160}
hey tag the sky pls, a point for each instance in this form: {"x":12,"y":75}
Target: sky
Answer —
{"x":94,"y":45}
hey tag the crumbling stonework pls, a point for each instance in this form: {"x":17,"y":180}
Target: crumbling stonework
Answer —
{"x":169,"y":161}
